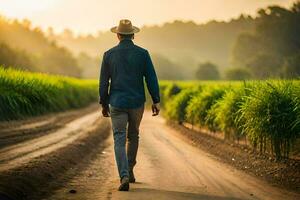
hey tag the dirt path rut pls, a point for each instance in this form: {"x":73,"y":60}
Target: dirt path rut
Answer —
{"x":35,"y":166}
{"x":168,"y":167}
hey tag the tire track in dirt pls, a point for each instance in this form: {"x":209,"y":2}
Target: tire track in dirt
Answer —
{"x":28,"y":169}
{"x":168,"y":167}
{"x":13,"y":132}
{"x":17,"y":155}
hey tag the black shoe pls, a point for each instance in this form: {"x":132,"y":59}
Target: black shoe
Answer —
{"x":131,"y":177}
{"x":124,"y":184}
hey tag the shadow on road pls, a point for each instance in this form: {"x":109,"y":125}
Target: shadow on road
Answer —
{"x":148,"y":193}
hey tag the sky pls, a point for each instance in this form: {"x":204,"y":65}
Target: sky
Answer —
{"x":91,"y":16}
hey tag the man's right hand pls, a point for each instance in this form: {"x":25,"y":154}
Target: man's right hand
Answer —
{"x":105,"y":111}
{"x":155,"y":109}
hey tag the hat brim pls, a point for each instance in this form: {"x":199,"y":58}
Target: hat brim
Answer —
{"x":134,"y":30}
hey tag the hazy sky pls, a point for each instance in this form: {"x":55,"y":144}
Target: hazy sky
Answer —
{"x":92,"y":15}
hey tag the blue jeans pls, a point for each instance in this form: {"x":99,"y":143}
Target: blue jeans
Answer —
{"x":121,"y":119}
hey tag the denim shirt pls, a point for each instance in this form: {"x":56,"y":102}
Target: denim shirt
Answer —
{"x":123,"y":71}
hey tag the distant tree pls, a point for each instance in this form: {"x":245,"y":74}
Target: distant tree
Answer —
{"x":291,"y":67}
{"x":14,"y":58}
{"x":50,"y":33}
{"x":264,"y":66}
{"x":237,"y":73}
{"x":89,"y":66}
{"x":207,"y":71}
{"x":67,"y":33}
{"x":246,"y":47}
{"x":26,"y":23}
{"x":275,"y":39}
{"x":166,"y":69}
{"x":59,"y":60}
{"x":280,"y":29}
{"x":28,"y":47}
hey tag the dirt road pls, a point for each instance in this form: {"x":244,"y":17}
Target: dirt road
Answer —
{"x":38,"y":155}
{"x":168,"y":167}
{"x":16,"y":155}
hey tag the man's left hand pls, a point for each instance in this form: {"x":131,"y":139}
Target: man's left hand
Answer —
{"x":155,"y":109}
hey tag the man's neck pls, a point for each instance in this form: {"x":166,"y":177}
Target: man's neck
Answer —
{"x":126,"y":41}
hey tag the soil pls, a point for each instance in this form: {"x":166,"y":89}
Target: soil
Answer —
{"x":15,"y":131}
{"x":284,"y":173}
{"x":168,"y":167}
{"x":34,"y":167}
{"x":76,"y":161}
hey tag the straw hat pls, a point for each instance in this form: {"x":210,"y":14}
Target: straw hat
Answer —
{"x":125,"y":27}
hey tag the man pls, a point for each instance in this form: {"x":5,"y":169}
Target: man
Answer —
{"x":123,"y":70}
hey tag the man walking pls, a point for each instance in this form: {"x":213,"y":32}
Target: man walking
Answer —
{"x":123,"y":71}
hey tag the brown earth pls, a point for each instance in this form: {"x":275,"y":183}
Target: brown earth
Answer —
{"x":75,"y":160}
{"x":35,"y":166}
{"x":168,"y":167}
{"x":284,"y":173}
{"x":15,"y":131}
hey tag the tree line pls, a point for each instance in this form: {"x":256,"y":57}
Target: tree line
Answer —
{"x":27,"y":48}
{"x":272,"y":50}
{"x":265,"y":46}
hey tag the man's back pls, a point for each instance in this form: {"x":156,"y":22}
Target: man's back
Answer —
{"x":126,"y":65}
{"x":122,"y":72}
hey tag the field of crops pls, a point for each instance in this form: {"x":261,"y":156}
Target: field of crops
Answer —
{"x":267,"y":113}
{"x":25,"y":94}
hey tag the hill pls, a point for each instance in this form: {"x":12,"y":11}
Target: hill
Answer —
{"x":25,"y":47}
{"x":184,"y":43}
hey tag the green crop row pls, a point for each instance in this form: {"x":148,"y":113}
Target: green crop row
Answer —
{"x":265,"y":112}
{"x":25,"y":94}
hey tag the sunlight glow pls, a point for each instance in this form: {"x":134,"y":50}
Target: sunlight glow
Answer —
{"x":23,"y":8}
{"x":94,"y":15}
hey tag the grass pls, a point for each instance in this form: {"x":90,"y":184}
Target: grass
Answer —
{"x":266,"y":112}
{"x":24,"y":94}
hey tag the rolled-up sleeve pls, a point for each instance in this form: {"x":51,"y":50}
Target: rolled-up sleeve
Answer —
{"x":151,"y":79}
{"x":104,"y":82}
